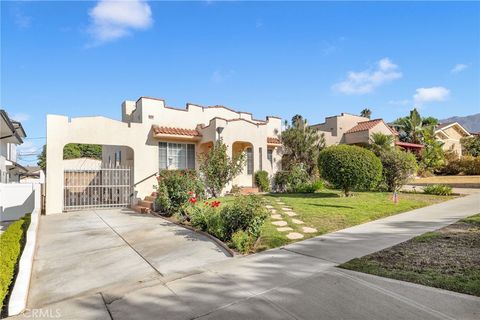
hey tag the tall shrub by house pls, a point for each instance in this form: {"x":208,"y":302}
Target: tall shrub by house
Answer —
{"x":350,"y":168}
{"x":218,"y":168}
{"x":262,"y":181}
{"x":398,"y":167}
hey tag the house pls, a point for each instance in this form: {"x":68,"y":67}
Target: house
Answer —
{"x":351,"y":129}
{"x":450,"y":134}
{"x":34,"y":174}
{"x":153,"y":136}
{"x":11,"y":135}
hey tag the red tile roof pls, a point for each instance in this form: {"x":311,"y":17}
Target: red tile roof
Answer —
{"x":273,"y":140}
{"x":367,"y":125}
{"x":408,"y":144}
{"x":176,"y":131}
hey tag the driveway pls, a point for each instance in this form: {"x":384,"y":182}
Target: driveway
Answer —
{"x":89,"y":251}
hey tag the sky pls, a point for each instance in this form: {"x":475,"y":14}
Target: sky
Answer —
{"x":316,"y":59}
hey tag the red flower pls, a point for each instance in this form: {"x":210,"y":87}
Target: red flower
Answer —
{"x":215,"y":204}
{"x":192,"y":200}
{"x":190,"y":193}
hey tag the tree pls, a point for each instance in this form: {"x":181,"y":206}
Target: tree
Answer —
{"x":218,"y":168}
{"x":410,"y":127}
{"x":301,"y":144}
{"x":350,"y":167}
{"x":366,"y":113}
{"x":429,"y":121}
{"x":398,"y":167}
{"x":471,"y":145}
{"x":73,"y":151}
{"x":433,"y":156}
{"x":380,"y":141}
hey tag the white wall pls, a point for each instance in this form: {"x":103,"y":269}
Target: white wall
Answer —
{"x":16,"y":200}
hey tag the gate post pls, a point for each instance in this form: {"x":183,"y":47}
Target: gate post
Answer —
{"x":54,"y":175}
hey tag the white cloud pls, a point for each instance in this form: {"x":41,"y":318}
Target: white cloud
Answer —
{"x":432,"y":94}
{"x":459,"y":68}
{"x":20,"y":117}
{"x":403,"y":102}
{"x":368,"y":80}
{"x":111,"y":20}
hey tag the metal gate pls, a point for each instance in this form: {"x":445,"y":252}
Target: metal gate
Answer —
{"x":97,"y":188}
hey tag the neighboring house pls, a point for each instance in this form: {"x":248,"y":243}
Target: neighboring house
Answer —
{"x":351,"y":129}
{"x":450,"y":134}
{"x":153,"y":137}
{"x":34,"y":174}
{"x":11,"y":135}
{"x":82,"y":164}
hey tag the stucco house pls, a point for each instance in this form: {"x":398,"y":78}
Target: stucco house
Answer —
{"x":11,"y":135}
{"x":450,"y":134}
{"x":351,"y":129}
{"x":153,"y":136}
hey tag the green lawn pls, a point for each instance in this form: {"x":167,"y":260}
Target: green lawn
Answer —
{"x":448,"y":258}
{"x":329,"y":211}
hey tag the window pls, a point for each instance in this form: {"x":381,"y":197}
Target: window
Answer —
{"x":270,"y":156}
{"x":249,"y":152}
{"x":260,"y":160}
{"x":118,"y":158}
{"x":176,"y":155}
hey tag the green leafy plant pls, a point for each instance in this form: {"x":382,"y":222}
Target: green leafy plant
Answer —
{"x":381,"y":142}
{"x":438,"y":189}
{"x":350,"y":168}
{"x":218,"y":169}
{"x":398,"y":167}
{"x":471,"y":145}
{"x":12,"y":242}
{"x":470,"y":165}
{"x":432,"y":156}
{"x":243,"y":241}
{"x":291,"y":180}
{"x":262,"y":180}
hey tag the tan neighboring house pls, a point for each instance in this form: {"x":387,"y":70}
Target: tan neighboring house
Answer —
{"x":351,"y":129}
{"x":153,"y":136}
{"x":450,"y":134}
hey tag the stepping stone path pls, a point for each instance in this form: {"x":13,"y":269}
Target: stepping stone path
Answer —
{"x":309,"y":230}
{"x":273,"y":211}
{"x":290,"y":214}
{"x":280,"y":223}
{"x":296,"y":221}
{"x":276,"y":216}
{"x":281,"y":203}
{"x":294,"y":235}
{"x":269,"y":207}
{"x":286,"y":209}
{"x":283,"y":229}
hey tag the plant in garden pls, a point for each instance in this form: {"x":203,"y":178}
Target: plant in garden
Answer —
{"x":291,"y":180}
{"x":262,"y":181}
{"x":218,"y":168}
{"x":380,"y":142}
{"x":301,"y":145}
{"x":410,"y":127}
{"x":438,"y":189}
{"x":433,"y":156}
{"x":398,"y":167}
{"x":471,"y":145}
{"x":470,"y":165}
{"x":350,"y":168}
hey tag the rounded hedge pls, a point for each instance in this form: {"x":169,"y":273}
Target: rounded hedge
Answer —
{"x":350,"y":167}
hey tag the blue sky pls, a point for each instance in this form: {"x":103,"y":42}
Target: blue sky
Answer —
{"x":281,"y":58}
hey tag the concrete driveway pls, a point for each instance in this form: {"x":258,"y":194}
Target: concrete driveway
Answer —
{"x":90,"y":251}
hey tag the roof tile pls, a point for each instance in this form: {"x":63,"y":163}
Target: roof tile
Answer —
{"x":367,"y":125}
{"x":176,"y":131}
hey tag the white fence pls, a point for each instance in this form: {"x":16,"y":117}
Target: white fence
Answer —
{"x":18,"y":199}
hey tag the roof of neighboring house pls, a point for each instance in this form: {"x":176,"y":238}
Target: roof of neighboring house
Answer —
{"x":273,"y":140}
{"x":15,"y":128}
{"x":367,"y":125}
{"x":176,"y":131}
{"x":408,"y":144}
{"x":446,"y":125}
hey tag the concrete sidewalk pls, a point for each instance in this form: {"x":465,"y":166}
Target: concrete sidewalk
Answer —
{"x":299,"y":281}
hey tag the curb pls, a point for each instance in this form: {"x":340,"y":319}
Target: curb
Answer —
{"x":208,"y":235}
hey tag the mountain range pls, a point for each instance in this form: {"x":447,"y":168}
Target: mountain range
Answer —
{"x":471,"y":123}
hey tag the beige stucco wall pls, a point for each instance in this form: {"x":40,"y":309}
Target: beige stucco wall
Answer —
{"x":451,"y":139}
{"x":335,"y":127}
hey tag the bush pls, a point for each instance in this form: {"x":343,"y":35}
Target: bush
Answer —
{"x":294,"y":179}
{"x":470,"y":165}
{"x":12,"y":242}
{"x":280,"y":181}
{"x":262,"y":181}
{"x":452,"y":165}
{"x":350,"y":167}
{"x":174,"y":187}
{"x":242,"y":241}
{"x":309,"y":187}
{"x":398,"y":167}
{"x":438,"y":189}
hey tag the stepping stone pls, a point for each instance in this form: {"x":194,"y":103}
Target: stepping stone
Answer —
{"x":280,"y":223}
{"x":281,"y":203}
{"x":273,"y":211}
{"x":276,"y":216}
{"x":269,"y":206}
{"x":284,"y":229}
{"x":296,"y":221}
{"x":287,"y":209}
{"x":290,"y":214}
{"x":309,"y":230}
{"x":294,"y":235}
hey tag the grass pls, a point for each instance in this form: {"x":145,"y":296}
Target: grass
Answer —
{"x":11,"y":246}
{"x":448,"y":258}
{"x":329,"y":211}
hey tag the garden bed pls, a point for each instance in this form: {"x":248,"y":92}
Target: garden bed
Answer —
{"x":448,"y":258}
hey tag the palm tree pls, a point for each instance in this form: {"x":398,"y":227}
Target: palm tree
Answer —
{"x":366,"y":113}
{"x":381,"y":141}
{"x":411,"y":126}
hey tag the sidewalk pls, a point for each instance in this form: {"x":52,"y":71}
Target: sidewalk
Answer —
{"x":299,"y":281}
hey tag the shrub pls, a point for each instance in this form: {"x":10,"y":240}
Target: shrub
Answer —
{"x":350,"y":167}
{"x":309,"y":187}
{"x":289,"y":181}
{"x":398,"y":167}
{"x":262,"y":181}
{"x":451,"y":166}
{"x":470,"y":165}
{"x":438,"y":189}
{"x":280,"y":181}
{"x":12,"y":242}
{"x":174,"y":187}
{"x":471,"y":145}
{"x":242,"y":241}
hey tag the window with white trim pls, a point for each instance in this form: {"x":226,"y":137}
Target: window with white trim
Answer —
{"x":174,"y":156}
{"x":270,"y":156}
{"x":249,"y":152}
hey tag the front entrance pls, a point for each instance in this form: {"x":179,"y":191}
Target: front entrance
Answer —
{"x":97,"y":188}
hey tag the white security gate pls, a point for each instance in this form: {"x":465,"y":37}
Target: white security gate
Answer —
{"x":97,"y":188}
